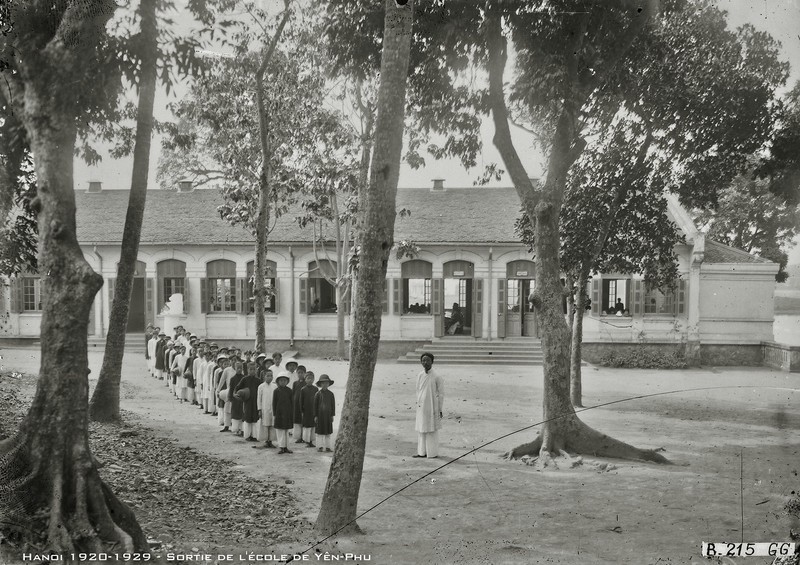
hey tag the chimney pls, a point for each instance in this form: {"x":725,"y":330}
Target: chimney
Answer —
{"x":438,"y":185}
{"x":95,"y":186}
{"x":184,"y":186}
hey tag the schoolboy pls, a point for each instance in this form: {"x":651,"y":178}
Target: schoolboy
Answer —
{"x":324,"y":411}
{"x":265,"y":429}
{"x":282,"y":411}
{"x":307,"y":395}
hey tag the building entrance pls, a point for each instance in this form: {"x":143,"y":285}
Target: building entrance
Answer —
{"x":515,"y":308}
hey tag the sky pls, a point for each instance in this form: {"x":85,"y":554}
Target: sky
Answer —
{"x":781,"y":18}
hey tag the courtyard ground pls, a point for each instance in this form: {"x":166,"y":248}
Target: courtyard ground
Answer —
{"x":737,"y":451}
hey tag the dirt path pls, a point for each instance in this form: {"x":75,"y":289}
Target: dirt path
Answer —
{"x":483,"y":509}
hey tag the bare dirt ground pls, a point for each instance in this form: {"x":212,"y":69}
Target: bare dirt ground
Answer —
{"x":737,"y":449}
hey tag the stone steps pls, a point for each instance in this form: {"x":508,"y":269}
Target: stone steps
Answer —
{"x":470,"y":351}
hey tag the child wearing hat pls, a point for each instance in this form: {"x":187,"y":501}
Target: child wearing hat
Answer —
{"x":237,"y":406}
{"x":151,"y":351}
{"x":297,"y":388}
{"x":177,"y":369}
{"x":159,"y":355}
{"x":307,"y":395}
{"x":282,"y":411}
{"x":266,"y":431}
{"x":324,"y":411}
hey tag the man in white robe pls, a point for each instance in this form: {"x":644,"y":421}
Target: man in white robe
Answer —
{"x":179,"y":365}
{"x":430,"y":400}
{"x":151,"y":351}
{"x":198,"y":370}
{"x":208,"y":380}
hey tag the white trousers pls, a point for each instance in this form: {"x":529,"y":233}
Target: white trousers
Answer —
{"x":236,"y":425}
{"x":297,"y":431}
{"x":283,"y":437}
{"x":309,"y":435}
{"x":428,"y":443}
{"x":266,"y":433}
{"x":227,"y":410}
{"x":249,"y":430}
{"x":325,"y":441}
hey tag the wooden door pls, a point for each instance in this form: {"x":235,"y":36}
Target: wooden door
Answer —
{"x":513,"y":308}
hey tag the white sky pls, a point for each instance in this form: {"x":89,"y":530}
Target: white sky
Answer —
{"x":781,"y":18}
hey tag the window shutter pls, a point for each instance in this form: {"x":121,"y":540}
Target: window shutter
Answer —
{"x":637,"y":298}
{"x":595,"y":297}
{"x":303,"y":302}
{"x":248,"y":298}
{"x":203,"y":295}
{"x":185,"y":295}
{"x":149,"y":316}
{"x":477,"y":310}
{"x":160,"y":298}
{"x":241,"y":304}
{"x":436,"y":307}
{"x":397,"y":296}
{"x":15,"y":290}
{"x":501,"y":307}
{"x":385,"y":297}
{"x":111,"y":284}
{"x":275,"y":292}
{"x":681,"y":302}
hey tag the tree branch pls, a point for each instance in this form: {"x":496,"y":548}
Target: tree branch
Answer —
{"x":496,"y":44}
{"x":640,"y":16}
{"x":273,"y":42}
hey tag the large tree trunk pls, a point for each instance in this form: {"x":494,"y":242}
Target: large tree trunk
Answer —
{"x":104,"y":405}
{"x":259,"y":288}
{"x":341,"y":295}
{"x":377,"y":216}
{"x":52,"y":497}
{"x":575,"y":388}
{"x":562,"y":430}
{"x":265,"y":184}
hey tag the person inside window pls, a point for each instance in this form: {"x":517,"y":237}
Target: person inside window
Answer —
{"x":619,"y":306}
{"x":456,"y":320}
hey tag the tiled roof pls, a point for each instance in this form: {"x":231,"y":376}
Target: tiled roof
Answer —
{"x":456,"y":215}
{"x":717,"y":252}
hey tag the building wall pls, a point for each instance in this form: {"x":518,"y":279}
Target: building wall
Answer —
{"x":735,"y":300}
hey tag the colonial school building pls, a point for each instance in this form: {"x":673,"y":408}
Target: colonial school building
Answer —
{"x":470,"y":261}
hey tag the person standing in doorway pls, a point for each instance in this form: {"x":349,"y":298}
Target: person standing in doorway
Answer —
{"x":430,"y":400}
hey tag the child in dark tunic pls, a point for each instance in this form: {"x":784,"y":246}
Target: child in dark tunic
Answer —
{"x":237,"y":407}
{"x":297,"y":387}
{"x":307,"y":409}
{"x":250,"y":404}
{"x":282,"y":408}
{"x":324,"y":411}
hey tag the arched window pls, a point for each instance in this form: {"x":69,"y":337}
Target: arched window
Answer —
{"x":220,"y":293}
{"x":317,"y":291}
{"x":416,"y":275}
{"x":270,"y":280}
{"x":171,"y":280}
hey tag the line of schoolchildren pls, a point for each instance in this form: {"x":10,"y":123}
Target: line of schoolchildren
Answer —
{"x":238,"y":388}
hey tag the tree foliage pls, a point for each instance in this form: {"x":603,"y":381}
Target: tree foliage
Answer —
{"x":18,"y":230}
{"x":750,"y":216}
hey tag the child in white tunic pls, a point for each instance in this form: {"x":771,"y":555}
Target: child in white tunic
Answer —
{"x":266,"y":432}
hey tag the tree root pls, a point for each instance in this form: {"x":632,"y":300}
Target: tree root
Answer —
{"x":578,"y":438}
{"x":59,"y":503}
{"x":531,"y":449}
